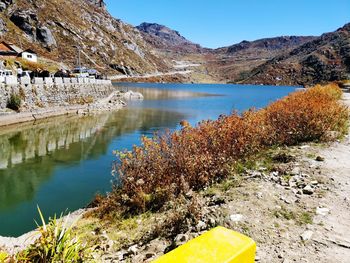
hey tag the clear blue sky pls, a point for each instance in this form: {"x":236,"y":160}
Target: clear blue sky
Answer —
{"x":217,"y":23}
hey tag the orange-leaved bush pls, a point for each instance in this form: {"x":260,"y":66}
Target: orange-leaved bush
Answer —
{"x":171,"y":164}
{"x":307,"y":115}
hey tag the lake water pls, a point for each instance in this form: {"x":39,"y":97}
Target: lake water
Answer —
{"x":60,"y":164}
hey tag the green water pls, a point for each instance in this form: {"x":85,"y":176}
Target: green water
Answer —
{"x":62,"y":163}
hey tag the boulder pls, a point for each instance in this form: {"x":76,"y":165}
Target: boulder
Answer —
{"x":25,"y":20}
{"x":3,"y":27}
{"x":28,"y":22}
{"x":122,"y":69}
{"x":98,"y":3}
{"x":45,"y":36}
{"x":4,"y":4}
{"x":130,"y":95}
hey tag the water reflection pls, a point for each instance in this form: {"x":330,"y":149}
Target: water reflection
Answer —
{"x":32,"y":155}
{"x":161,"y":94}
{"x":41,"y":139}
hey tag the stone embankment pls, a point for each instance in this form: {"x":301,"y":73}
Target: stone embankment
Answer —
{"x":49,"y":97}
{"x":43,"y":92}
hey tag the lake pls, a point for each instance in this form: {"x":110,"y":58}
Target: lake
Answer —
{"x":60,"y":164}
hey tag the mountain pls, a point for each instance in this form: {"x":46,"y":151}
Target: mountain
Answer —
{"x":268,"y":44}
{"x":326,"y":58}
{"x":290,"y":60}
{"x":55,"y":28}
{"x":166,"y":39}
{"x":234,"y":61}
{"x":216,"y":65}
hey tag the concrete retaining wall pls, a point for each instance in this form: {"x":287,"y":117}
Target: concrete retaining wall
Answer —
{"x":48,"y":81}
{"x":12,"y":81}
{"x":25,"y":80}
{"x":44,"y":95}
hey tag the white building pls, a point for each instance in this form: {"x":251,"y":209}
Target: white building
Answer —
{"x":29,"y":55}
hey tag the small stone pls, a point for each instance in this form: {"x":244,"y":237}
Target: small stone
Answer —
{"x":149,"y":255}
{"x":255,"y":174}
{"x":275,"y":173}
{"x":133,"y":249}
{"x":216,"y":200}
{"x":189,"y":194}
{"x":121,"y":255}
{"x":304,"y":147}
{"x":306,"y":235}
{"x":110,"y":245}
{"x":295,"y":171}
{"x":314,"y":182}
{"x":284,"y":199}
{"x":201,"y":226}
{"x":181,"y":238}
{"x":295,"y":191}
{"x":308,"y":190}
{"x":288,"y":200}
{"x":319,"y":158}
{"x":236,"y":218}
{"x":212,"y":221}
{"x":259,"y":195}
{"x":322,"y":211}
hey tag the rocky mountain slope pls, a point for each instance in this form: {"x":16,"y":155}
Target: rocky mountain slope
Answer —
{"x":55,"y":28}
{"x":232,"y":62}
{"x":286,"y":60}
{"x":269,"y":44}
{"x":219,"y":65}
{"x":166,"y":39}
{"x":326,"y":58}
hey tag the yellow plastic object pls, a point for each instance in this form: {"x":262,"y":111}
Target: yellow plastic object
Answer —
{"x":219,"y":245}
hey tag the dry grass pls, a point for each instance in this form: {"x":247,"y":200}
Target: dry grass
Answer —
{"x":81,"y":100}
{"x":41,"y":65}
{"x":169,"y":165}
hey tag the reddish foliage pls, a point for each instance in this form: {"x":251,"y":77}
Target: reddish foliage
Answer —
{"x":169,"y":165}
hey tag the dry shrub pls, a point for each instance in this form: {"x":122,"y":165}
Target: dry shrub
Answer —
{"x":29,"y":65}
{"x":170,"y":164}
{"x":307,"y":115}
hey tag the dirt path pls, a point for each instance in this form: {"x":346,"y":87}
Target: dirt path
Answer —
{"x":335,"y":234}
